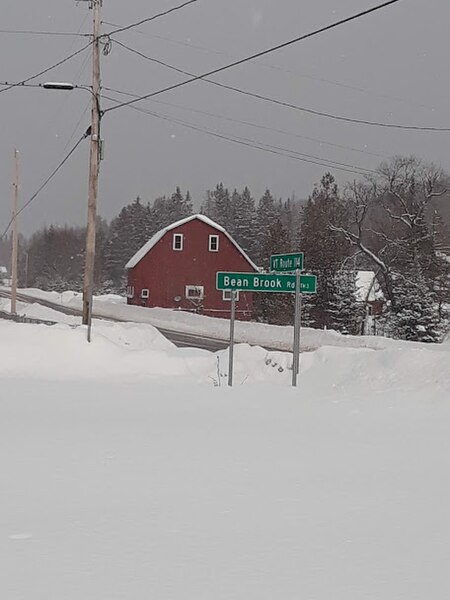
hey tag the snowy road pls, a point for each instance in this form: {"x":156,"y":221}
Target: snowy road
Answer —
{"x":179,"y":338}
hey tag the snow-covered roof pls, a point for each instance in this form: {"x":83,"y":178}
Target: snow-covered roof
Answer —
{"x":367,"y":287}
{"x":160,"y":234}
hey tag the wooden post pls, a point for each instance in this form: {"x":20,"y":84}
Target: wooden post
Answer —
{"x":15,"y":244}
{"x":297,"y":324}
{"x":94,"y":160}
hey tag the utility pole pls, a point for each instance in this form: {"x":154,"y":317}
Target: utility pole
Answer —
{"x":15,"y":244}
{"x":94,"y":164}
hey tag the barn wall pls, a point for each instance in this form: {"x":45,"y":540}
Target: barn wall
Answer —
{"x":165,"y":272}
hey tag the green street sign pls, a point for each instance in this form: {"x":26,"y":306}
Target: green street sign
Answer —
{"x":308,"y":284}
{"x":286,"y":262}
{"x":265,"y":282}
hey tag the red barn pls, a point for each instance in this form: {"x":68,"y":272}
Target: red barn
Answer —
{"x":177,"y":268}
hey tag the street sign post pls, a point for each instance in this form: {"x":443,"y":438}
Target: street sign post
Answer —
{"x":286,"y":262}
{"x":231,"y":348}
{"x":297,"y":284}
{"x":265,"y":282}
{"x":297,"y":319}
{"x":283,"y":263}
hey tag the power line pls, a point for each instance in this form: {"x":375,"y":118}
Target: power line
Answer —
{"x":262,"y":97}
{"x":286,"y":152}
{"x":47,"y":33}
{"x":266,"y":65}
{"x":252,"y":124}
{"x":262,"y":53}
{"x":46,"y":182}
{"x":59,"y":63}
{"x":148,"y":19}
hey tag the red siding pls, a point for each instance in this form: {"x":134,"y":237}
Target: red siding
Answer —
{"x":166,"y":272}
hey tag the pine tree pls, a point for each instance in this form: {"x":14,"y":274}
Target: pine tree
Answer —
{"x":242,"y":229}
{"x":275,"y":308}
{"x":218,"y":207}
{"x":345,"y":313}
{"x":128,"y":232}
{"x":178,"y":207}
{"x":415,"y":317}
{"x":267,"y":215}
{"x":324,"y":249}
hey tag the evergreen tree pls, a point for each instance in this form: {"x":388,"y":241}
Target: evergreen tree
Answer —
{"x":218,"y":207}
{"x":178,"y":207}
{"x":243,"y":209}
{"x":324,"y":249}
{"x":275,"y":308}
{"x":415,"y":317}
{"x":345,"y":313}
{"x":56,"y":259}
{"x":166,"y":211}
{"x":128,"y":232}
{"x":267,"y":215}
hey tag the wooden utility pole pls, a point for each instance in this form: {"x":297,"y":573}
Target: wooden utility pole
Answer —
{"x":15,"y":244}
{"x":94,"y":163}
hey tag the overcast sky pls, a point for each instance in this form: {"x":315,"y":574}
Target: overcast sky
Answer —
{"x":391,"y":66}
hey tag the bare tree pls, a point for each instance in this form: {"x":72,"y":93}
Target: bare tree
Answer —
{"x":387,"y":216}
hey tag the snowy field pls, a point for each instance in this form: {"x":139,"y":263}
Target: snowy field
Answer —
{"x":129,"y":473}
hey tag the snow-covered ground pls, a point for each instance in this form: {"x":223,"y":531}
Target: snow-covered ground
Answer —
{"x":273,"y":336}
{"x":127,"y":473}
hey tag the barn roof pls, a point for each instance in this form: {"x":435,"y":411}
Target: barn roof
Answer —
{"x":160,"y":234}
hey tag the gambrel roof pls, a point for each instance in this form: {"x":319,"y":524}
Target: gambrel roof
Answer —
{"x":160,"y":234}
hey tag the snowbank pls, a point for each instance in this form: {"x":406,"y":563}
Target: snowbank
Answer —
{"x":271,"y":336}
{"x":127,"y":473}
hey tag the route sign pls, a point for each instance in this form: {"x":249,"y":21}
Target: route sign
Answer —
{"x":286,"y":262}
{"x":265,"y":282}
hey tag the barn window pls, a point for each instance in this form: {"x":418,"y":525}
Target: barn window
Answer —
{"x":145,"y":293}
{"x":226,"y":295}
{"x":194,"y":292}
{"x":177,"y":241}
{"x":214,"y":243}
{"x":130,"y":291}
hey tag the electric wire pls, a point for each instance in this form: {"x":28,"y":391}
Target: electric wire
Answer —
{"x":66,"y":97}
{"x":286,"y":152}
{"x":46,"y":182}
{"x":262,"y":97}
{"x":266,"y":65}
{"x":46,"y":33}
{"x":152,"y":18}
{"x":54,"y":66}
{"x":75,"y":129}
{"x":252,"y":124}
{"x":261,"y":53}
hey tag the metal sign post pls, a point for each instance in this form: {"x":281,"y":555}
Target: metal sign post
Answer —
{"x":297,"y":322}
{"x":270,"y":282}
{"x":231,"y":348}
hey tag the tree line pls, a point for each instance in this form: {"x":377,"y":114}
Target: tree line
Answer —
{"x":390,"y":223}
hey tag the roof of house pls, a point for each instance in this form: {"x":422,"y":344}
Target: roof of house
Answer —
{"x":367,"y":287}
{"x":160,"y":234}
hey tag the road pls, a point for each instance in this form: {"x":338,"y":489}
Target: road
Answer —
{"x":180,"y":339}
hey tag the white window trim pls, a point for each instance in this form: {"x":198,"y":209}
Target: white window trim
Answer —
{"x":177,"y":236}
{"x":226,"y":295}
{"x":211,"y":237}
{"x":190,"y":288}
{"x":130,"y":291}
{"x":145,"y":294}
